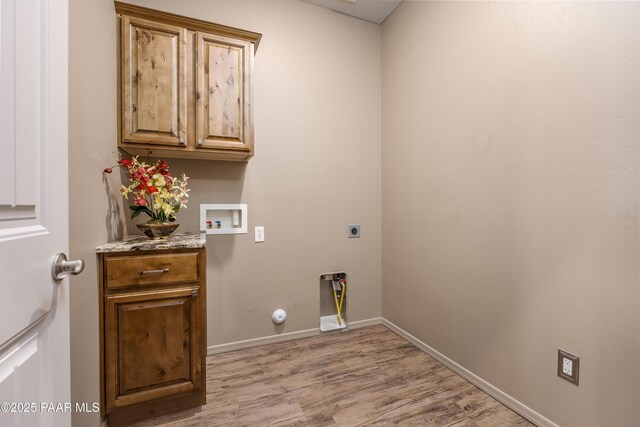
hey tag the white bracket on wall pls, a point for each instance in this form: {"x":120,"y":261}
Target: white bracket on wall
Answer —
{"x":223,"y":219}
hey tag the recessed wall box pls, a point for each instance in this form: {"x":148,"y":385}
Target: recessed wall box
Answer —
{"x":223,"y":219}
{"x":333,"y":307}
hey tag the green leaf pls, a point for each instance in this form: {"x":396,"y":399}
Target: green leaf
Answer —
{"x":137,"y":210}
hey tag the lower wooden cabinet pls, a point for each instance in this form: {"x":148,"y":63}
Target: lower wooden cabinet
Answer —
{"x":153,"y":333}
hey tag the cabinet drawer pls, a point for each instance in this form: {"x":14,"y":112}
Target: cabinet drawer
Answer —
{"x":151,"y":270}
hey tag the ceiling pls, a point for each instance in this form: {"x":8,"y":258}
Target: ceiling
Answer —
{"x":375,"y":11}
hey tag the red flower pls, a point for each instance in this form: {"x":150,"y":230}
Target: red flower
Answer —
{"x":140,"y":202}
{"x":162,"y":168}
{"x":107,"y":170}
{"x":138,"y":173}
{"x":151,"y":189}
{"x":125,"y":162}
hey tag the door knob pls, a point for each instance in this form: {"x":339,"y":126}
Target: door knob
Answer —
{"x":62,"y":267}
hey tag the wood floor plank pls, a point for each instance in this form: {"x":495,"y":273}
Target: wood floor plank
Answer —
{"x":369,"y":376}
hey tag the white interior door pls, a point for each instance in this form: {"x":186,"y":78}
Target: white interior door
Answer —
{"x":34,"y":310}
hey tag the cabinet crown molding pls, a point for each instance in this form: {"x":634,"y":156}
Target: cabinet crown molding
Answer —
{"x":186,"y":22}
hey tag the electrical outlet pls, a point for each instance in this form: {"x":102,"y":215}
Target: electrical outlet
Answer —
{"x":354,"y":231}
{"x":259,"y":234}
{"x":568,"y":366}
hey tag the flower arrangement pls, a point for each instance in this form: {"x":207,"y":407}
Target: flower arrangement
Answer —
{"x":155,"y":192}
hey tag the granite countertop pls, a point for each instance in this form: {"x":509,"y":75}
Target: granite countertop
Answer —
{"x":143,"y":243}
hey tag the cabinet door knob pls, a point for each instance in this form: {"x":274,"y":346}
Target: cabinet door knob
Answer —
{"x":199,"y":142}
{"x":194,"y":293}
{"x":182,"y":141}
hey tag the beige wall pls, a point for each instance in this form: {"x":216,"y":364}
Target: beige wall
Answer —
{"x":511,"y":195}
{"x":94,"y":205}
{"x":316,"y":169}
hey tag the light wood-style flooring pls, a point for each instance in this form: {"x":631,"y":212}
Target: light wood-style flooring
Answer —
{"x":364,"y":377}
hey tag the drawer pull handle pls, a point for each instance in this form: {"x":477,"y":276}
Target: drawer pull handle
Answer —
{"x":164,"y":270}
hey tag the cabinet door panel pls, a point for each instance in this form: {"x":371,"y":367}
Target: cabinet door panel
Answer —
{"x":153,"y":338}
{"x":154,"y":82}
{"x":154,"y":341}
{"x":224,"y":110}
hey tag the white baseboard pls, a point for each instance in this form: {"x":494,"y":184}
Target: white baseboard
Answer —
{"x":254,"y":342}
{"x":502,"y":397}
{"x":364,"y":323}
{"x":287,"y":336}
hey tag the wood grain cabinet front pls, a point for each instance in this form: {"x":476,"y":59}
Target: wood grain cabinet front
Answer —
{"x":153,"y":334}
{"x":153,"y":343}
{"x":154,"y":84}
{"x":185,"y":86}
{"x":132,"y":270}
{"x":223,"y":94}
